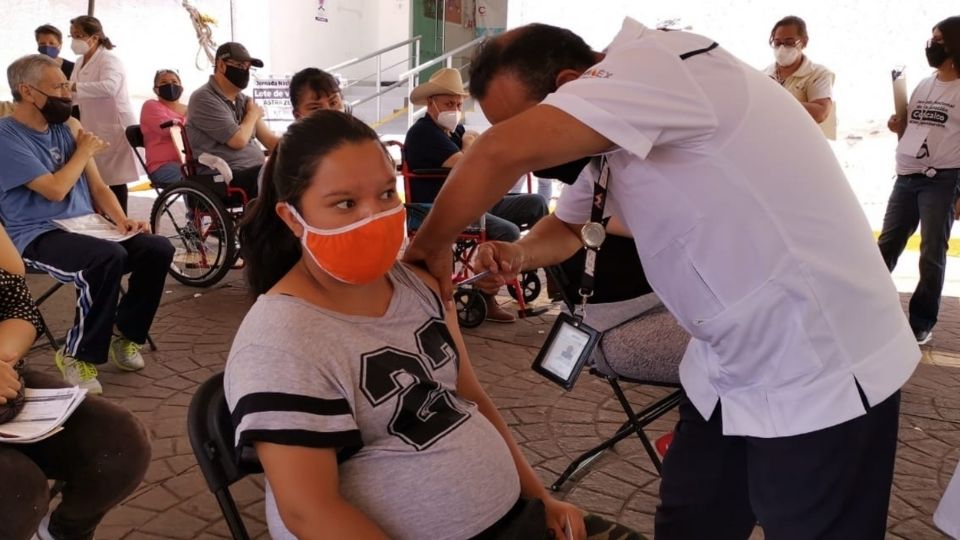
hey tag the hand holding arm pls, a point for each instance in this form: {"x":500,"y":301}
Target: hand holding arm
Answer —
{"x":57,"y":185}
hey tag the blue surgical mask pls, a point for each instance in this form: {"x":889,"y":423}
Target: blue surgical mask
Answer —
{"x":49,"y":50}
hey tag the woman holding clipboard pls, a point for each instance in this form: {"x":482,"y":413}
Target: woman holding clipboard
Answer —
{"x":928,"y":173}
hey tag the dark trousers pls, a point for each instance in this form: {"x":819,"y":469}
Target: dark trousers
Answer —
{"x":121,"y":192}
{"x":513,"y":213}
{"x":829,"y":484}
{"x":101,"y":455}
{"x":95,"y":268}
{"x":929,"y":202}
{"x":246,"y":179}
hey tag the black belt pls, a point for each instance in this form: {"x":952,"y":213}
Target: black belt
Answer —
{"x":931,"y":172}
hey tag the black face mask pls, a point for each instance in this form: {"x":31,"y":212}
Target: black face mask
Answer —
{"x":56,"y":110}
{"x":170,"y":92}
{"x":566,"y":172}
{"x":936,"y":55}
{"x":239,"y":77}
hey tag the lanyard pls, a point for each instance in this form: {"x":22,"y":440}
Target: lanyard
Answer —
{"x":592,"y":235}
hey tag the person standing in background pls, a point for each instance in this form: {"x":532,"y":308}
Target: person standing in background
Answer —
{"x":928,"y":174}
{"x":811,"y":84}
{"x":49,"y":42}
{"x":99,"y":87}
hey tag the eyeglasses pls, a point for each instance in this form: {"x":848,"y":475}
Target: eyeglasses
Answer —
{"x":789,"y":42}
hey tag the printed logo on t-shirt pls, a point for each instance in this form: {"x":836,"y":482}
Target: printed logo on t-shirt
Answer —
{"x":57,"y":157}
{"x":931,"y":113}
{"x":424,"y":412}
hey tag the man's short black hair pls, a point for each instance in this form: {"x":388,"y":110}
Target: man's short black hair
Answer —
{"x":318,"y":80}
{"x":535,"y":54}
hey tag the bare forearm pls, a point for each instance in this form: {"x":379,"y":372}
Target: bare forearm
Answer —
{"x":66,"y":177}
{"x":818,"y":111}
{"x":243,"y":135}
{"x":476,"y":183}
{"x":550,"y":242}
{"x":339,"y":520}
{"x":105,"y":200}
{"x":16,"y":338}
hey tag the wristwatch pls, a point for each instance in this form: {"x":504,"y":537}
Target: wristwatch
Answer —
{"x":593,"y":234}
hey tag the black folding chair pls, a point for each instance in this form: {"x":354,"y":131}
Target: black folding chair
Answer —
{"x":649,"y":367}
{"x":211,"y":436}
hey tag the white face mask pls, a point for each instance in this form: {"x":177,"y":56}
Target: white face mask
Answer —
{"x":79,"y":46}
{"x":786,"y":56}
{"x":448,"y":120}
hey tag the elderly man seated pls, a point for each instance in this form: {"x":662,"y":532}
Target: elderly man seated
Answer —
{"x":438,"y":140}
{"x":49,"y":175}
{"x":224,"y":122}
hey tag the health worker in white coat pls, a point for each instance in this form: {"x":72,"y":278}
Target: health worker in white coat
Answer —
{"x":99,"y":86}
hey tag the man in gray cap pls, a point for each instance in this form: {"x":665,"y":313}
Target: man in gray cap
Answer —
{"x":224,"y":122}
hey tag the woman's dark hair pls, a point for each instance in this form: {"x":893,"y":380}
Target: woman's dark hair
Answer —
{"x":162,"y":72}
{"x":318,"y":80}
{"x":48,"y":29}
{"x":791,"y":20}
{"x":950,"y":28}
{"x":534,"y":53}
{"x":268,"y":247}
{"x":91,"y":26}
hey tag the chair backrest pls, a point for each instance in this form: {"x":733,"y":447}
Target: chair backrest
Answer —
{"x":211,"y":435}
{"x":135,"y":139}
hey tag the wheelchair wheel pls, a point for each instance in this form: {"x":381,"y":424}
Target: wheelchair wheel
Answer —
{"x":530,"y":283}
{"x":471,"y":307}
{"x":201,"y":230}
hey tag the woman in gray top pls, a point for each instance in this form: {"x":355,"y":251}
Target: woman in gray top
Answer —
{"x":350,"y":379}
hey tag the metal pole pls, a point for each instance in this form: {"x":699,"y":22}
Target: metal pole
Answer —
{"x":90,"y":5}
{"x":416,"y":53}
{"x":409,"y":103}
{"x":379,"y":76}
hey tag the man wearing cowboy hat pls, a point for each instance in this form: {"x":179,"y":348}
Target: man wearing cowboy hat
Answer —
{"x":438,"y":140}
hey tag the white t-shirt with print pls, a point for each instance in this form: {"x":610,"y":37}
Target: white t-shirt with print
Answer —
{"x":932,"y":136}
{"x":748,"y":232}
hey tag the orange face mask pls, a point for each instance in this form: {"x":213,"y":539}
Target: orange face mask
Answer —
{"x":360,"y":252}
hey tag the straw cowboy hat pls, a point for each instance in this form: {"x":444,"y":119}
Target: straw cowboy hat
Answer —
{"x":444,"y":81}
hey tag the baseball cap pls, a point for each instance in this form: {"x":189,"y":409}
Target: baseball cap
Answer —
{"x":232,"y":50}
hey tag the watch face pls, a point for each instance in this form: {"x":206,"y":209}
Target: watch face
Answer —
{"x":592,"y":234}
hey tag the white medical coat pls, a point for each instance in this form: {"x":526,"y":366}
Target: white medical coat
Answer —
{"x":105,"y":111}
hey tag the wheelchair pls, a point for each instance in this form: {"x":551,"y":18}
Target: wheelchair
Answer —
{"x":199,"y":215}
{"x":420,"y":189}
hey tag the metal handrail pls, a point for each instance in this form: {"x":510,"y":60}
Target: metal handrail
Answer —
{"x":389,"y":48}
{"x":412,"y":75}
{"x":378,"y":54}
{"x":445,"y":56}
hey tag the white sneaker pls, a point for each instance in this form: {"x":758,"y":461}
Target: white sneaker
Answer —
{"x":126,"y":354}
{"x":78,"y":372}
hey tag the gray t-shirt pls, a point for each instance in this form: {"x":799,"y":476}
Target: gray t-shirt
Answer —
{"x":212,"y":119}
{"x":415,"y":457}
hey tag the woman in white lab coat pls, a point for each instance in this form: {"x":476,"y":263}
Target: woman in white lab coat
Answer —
{"x":99,"y":86}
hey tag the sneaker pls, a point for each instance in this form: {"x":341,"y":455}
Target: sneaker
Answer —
{"x":78,"y":372}
{"x":126,"y":354}
{"x":923,"y":336}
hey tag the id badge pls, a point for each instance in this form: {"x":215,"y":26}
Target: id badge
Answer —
{"x":566,"y":350}
{"x":913,"y":138}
